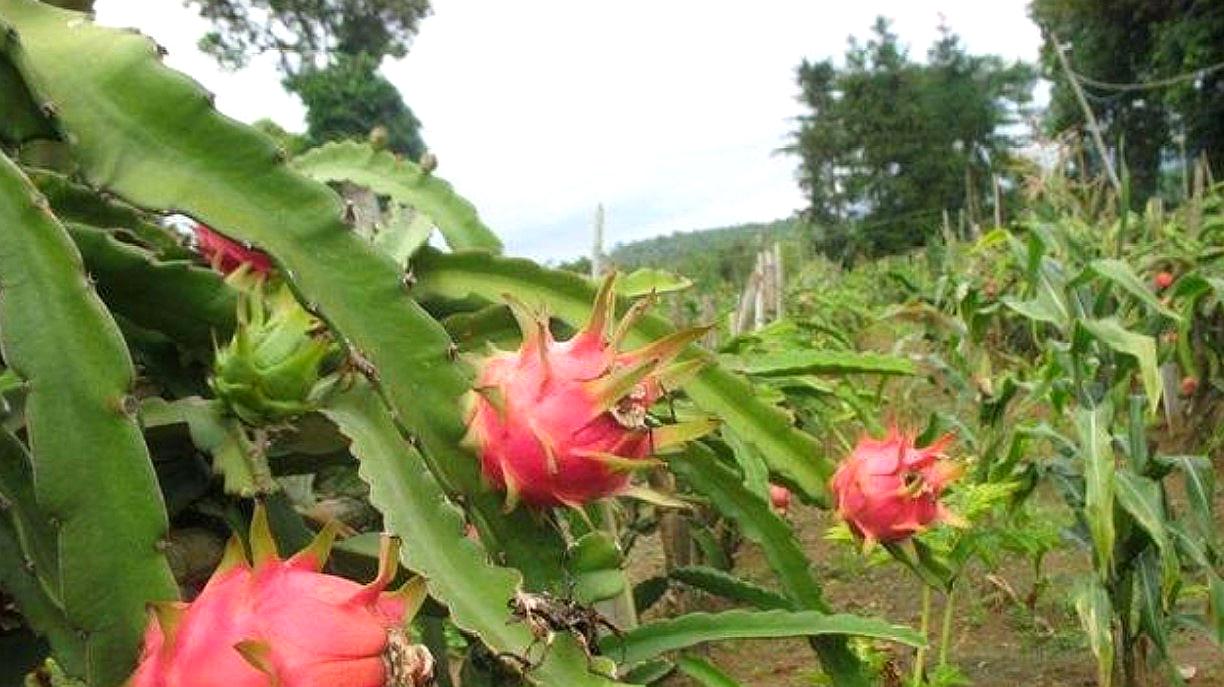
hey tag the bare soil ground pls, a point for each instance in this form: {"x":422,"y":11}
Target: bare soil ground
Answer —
{"x":997,"y":641}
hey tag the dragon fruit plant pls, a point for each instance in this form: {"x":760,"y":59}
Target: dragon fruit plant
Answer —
{"x":153,"y":387}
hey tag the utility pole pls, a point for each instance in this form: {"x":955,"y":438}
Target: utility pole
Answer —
{"x":1093,"y":127}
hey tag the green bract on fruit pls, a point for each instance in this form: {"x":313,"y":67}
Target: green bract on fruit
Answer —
{"x":888,"y":490}
{"x":283,"y":623}
{"x":565,"y":422}
{"x":272,"y":368}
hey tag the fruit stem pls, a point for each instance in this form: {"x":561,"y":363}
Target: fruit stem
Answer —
{"x":920,"y":658}
{"x":945,"y":633}
{"x":624,"y":613}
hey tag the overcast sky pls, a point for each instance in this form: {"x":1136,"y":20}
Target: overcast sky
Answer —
{"x":666,"y":111}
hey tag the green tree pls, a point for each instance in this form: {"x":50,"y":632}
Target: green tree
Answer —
{"x":1147,"y":44}
{"x":887,"y":144}
{"x":308,"y":34}
{"x":329,"y":52}
{"x":348,"y":98}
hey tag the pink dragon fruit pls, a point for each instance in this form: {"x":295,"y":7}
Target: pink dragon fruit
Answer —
{"x":889,"y":490}
{"x":779,"y":498}
{"x":564,"y":423}
{"x":282,"y":623}
{"x":227,"y":255}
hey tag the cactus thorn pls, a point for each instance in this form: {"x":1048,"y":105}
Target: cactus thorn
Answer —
{"x":162,"y":545}
{"x":350,"y":212}
{"x":409,"y":279}
{"x":49,"y":109}
{"x":28,"y":564}
{"x":452,"y":351}
{"x":5,"y":504}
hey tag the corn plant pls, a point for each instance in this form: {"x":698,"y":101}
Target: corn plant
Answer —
{"x":1080,"y":339}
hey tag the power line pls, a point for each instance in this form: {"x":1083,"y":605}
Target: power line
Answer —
{"x":1149,"y":85}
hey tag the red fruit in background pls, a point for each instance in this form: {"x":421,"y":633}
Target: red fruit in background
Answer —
{"x":1189,"y":385}
{"x":1163,"y":280}
{"x":888,"y":490}
{"x":780,"y":498}
{"x":564,"y":422}
{"x":282,"y":623}
{"x":227,"y":255}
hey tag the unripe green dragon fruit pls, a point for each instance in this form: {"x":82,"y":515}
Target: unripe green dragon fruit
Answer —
{"x":565,"y":422}
{"x":283,"y":623}
{"x":272,"y":368}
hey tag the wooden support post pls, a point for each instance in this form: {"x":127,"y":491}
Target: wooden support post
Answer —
{"x":779,"y":283}
{"x":1093,"y":127}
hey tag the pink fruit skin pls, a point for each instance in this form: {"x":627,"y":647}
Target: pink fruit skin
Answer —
{"x":780,"y":497}
{"x":228,"y":255}
{"x":888,"y":490}
{"x":1163,"y":280}
{"x":545,"y":439}
{"x":319,"y":630}
{"x":1189,"y":385}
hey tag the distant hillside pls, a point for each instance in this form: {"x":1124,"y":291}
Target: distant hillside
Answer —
{"x":709,"y":257}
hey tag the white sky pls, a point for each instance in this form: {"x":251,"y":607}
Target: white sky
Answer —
{"x":666,"y":111}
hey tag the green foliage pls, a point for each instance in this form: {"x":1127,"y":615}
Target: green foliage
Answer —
{"x":652,"y":639}
{"x":704,"y":672}
{"x":406,"y":183}
{"x":193,"y":306}
{"x":712,"y":258}
{"x":349,"y":99}
{"x":63,"y":344}
{"x":329,"y":53}
{"x":308,"y":33}
{"x":1135,"y":41}
{"x":821,"y":362}
{"x":886,"y":144}
{"x":720,"y":583}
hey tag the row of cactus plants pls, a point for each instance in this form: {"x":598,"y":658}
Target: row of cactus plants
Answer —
{"x":154,"y":385}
